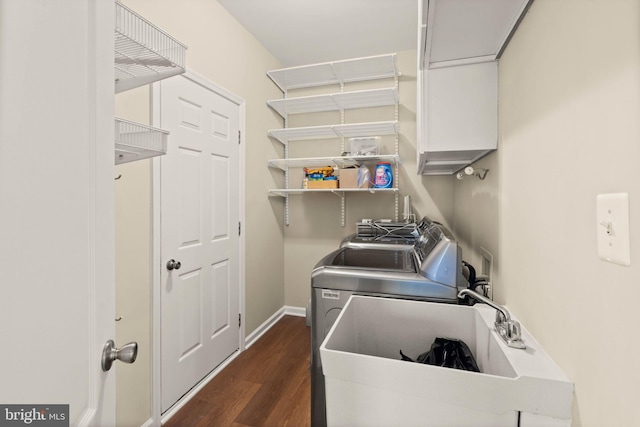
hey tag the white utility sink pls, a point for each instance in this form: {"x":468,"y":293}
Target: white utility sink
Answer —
{"x":368,"y":385}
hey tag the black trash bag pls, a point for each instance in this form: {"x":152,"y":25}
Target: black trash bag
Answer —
{"x":447,"y":353}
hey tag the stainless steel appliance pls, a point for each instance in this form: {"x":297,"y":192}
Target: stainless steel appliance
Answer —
{"x":429,"y":267}
{"x":385,"y":234}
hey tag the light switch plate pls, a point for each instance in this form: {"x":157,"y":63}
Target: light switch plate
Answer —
{"x":613,"y":228}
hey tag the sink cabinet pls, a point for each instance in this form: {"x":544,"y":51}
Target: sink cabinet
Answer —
{"x":460,"y":42}
{"x":368,"y":385}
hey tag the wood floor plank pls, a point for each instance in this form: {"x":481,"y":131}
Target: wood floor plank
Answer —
{"x":191,"y":414}
{"x":268,"y":385}
{"x":291,"y":363}
{"x":226,"y":403}
{"x":291,"y":409}
{"x":269,"y":350}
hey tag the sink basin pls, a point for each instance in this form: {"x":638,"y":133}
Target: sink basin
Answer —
{"x":368,"y":385}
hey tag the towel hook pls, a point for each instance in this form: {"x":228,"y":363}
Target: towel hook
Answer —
{"x":470,"y":171}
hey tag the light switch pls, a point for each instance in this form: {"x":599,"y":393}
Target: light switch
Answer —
{"x":613,"y":228}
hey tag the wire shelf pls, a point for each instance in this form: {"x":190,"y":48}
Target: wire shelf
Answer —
{"x":335,"y":101}
{"x":284,"y":192}
{"x":335,"y":131}
{"x":143,"y":52}
{"x":336,"y":72}
{"x":134,"y":141}
{"x":338,"y":161}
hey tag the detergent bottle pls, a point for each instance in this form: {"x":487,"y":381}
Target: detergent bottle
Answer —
{"x":384,"y":176}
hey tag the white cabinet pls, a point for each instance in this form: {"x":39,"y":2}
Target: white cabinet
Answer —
{"x":460,"y":42}
{"x":143,"y":54}
{"x":337,"y":73}
{"x":459,"y":118}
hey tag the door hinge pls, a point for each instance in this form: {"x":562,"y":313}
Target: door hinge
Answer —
{"x":239,"y":136}
{"x":239,"y":228}
{"x":239,"y":320}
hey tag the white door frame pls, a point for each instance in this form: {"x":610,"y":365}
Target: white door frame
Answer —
{"x":156,"y":264}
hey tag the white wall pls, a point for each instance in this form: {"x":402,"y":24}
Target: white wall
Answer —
{"x":315,"y":228}
{"x":133,"y":271}
{"x":569,"y":130}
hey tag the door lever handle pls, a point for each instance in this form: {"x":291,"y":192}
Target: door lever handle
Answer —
{"x":172,"y":264}
{"x":127,"y":354}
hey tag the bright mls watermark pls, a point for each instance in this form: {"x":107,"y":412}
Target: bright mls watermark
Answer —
{"x":34,"y":415}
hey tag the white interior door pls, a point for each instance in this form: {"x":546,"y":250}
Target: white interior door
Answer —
{"x":200,"y":207}
{"x":56,"y":210}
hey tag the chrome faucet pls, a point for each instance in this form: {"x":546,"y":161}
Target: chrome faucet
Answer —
{"x":508,"y":329}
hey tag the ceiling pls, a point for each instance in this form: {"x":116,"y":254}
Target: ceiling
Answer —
{"x":299,"y":32}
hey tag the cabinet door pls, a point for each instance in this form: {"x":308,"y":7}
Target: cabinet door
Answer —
{"x":462,"y":108}
{"x":465,"y":29}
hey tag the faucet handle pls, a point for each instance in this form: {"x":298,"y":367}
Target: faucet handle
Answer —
{"x":514,"y":329}
{"x":510,"y":331}
{"x":513,"y":334}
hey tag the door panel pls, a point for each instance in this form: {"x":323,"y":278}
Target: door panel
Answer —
{"x":190,"y":332}
{"x":221,"y":293}
{"x":199,"y":215}
{"x":57,"y":209}
{"x":220,"y":197}
{"x":190,"y":176}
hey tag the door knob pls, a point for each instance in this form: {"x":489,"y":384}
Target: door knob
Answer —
{"x":127,"y":354}
{"x":172,"y":264}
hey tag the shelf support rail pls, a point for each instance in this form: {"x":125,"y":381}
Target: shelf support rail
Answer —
{"x":343,"y":205}
{"x":286,"y":170}
{"x":397,"y":148}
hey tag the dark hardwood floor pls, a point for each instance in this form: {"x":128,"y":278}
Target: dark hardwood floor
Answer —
{"x":267,"y":385}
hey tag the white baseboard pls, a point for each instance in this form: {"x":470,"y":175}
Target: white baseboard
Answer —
{"x":250,"y":340}
{"x":262,"y":329}
{"x":267,"y":324}
{"x":295,"y":311}
{"x":187,"y":397}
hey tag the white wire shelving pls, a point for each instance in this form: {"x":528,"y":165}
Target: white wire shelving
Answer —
{"x":349,"y":130}
{"x":284,"y":192}
{"x":143,"y":52}
{"x":336,"y":161}
{"x":134,"y":141}
{"x":335,"y":101}
{"x":336,"y":72}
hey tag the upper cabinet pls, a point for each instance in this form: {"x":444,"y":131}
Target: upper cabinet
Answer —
{"x":460,"y":42}
{"x":466,"y":30}
{"x":143,"y":54}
